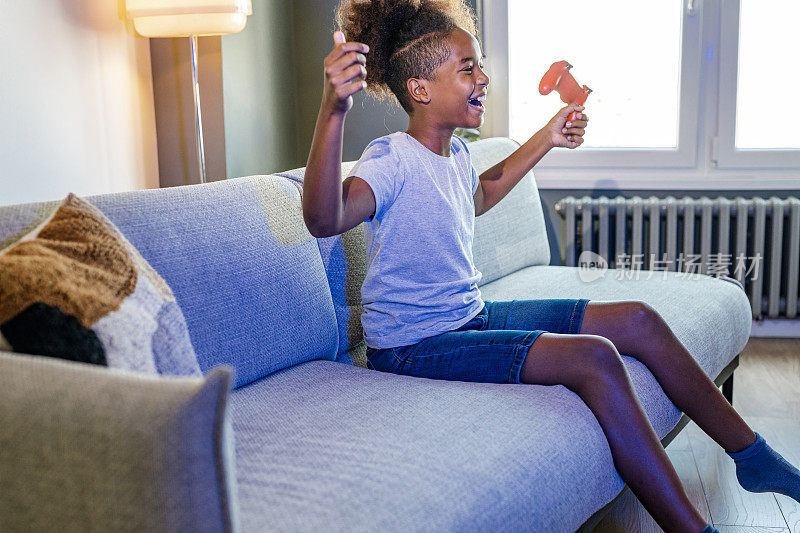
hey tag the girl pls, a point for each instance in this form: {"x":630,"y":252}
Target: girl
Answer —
{"x":423,"y":314}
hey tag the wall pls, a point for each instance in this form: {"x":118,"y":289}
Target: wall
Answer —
{"x":171,"y":60}
{"x":77,"y":101}
{"x":259,"y":92}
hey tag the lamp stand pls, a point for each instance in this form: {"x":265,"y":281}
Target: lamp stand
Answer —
{"x":201,"y":159}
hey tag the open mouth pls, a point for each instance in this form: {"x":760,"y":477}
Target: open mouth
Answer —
{"x":477,"y":102}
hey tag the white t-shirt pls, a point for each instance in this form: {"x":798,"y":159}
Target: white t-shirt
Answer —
{"x":421,"y":280}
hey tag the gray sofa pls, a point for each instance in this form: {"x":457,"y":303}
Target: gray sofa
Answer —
{"x":309,"y":439}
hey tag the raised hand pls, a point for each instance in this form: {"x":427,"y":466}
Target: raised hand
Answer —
{"x":345,"y":72}
{"x":561,"y":133}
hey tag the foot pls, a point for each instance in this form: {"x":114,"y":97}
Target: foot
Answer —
{"x":759,"y":468}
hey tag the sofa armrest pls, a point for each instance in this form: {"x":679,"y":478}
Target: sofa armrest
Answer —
{"x":88,"y":448}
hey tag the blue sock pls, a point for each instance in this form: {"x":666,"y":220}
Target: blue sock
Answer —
{"x":759,"y":468}
{"x":710,"y":529}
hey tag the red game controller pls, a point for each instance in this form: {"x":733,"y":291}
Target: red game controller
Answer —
{"x":560,"y":79}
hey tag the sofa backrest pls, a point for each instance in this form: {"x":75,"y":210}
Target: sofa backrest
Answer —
{"x":511,"y":235}
{"x":245,"y":271}
{"x":508,"y":237}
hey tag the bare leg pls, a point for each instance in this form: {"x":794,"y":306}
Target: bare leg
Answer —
{"x":591,"y":367}
{"x":637,"y":330}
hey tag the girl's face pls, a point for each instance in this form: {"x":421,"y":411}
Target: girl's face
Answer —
{"x":458,"y":93}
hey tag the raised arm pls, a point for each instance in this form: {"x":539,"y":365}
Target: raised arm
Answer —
{"x":498,"y":180}
{"x":331,"y":207}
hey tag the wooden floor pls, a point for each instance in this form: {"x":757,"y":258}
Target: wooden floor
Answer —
{"x":766,"y":393}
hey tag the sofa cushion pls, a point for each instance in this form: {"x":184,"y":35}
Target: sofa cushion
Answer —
{"x":342,"y":448}
{"x":73,"y":287}
{"x":710,"y":316}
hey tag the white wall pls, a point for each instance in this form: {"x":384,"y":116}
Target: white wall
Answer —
{"x":76,"y":101}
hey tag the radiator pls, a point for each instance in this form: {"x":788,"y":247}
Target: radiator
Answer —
{"x":757,"y":239}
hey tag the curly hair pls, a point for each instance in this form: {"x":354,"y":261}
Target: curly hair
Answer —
{"x":406,"y":39}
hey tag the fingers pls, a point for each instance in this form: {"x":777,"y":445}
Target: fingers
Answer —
{"x":347,"y":60}
{"x":350,"y":88}
{"x":349,"y":73}
{"x":574,"y":142}
{"x":573,"y":131}
{"x":340,"y":47}
{"x":580,"y":122}
{"x":346,"y":71}
{"x":565,"y":111}
{"x":349,"y":67}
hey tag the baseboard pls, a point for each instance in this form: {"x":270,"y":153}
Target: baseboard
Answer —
{"x":776,"y":328}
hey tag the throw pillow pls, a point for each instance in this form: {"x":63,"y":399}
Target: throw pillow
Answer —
{"x":73,"y":287}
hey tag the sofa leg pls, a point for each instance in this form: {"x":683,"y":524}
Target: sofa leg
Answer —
{"x":727,"y":389}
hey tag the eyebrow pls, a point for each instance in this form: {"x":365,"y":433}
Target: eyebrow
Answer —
{"x":470,"y":58}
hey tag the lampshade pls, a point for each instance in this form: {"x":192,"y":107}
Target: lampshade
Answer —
{"x":181,"y":18}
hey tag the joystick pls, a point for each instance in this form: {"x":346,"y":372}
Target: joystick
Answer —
{"x":558,"y":77}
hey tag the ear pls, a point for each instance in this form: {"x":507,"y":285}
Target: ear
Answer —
{"x":417,"y":88}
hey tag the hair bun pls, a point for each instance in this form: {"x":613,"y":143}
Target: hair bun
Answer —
{"x":399,"y":24}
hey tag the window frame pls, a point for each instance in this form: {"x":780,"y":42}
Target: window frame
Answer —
{"x":704,"y":159}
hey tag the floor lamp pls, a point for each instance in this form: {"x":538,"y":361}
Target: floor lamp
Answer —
{"x":190,"y":18}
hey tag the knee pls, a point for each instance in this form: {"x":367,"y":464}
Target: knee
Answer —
{"x":603,"y":361}
{"x":645,"y":317}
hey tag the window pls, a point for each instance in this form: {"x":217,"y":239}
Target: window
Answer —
{"x":634,"y":64}
{"x":760,"y":62}
{"x":691,"y":88}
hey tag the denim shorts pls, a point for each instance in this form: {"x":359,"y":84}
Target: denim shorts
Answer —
{"x":489,"y":348}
